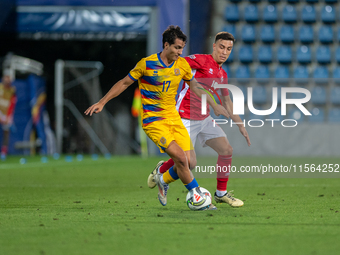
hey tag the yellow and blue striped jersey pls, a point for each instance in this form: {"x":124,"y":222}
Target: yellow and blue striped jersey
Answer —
{"x":158,"y":85}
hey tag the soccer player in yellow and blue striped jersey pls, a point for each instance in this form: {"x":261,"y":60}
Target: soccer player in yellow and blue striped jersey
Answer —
{"x":158,"y":78}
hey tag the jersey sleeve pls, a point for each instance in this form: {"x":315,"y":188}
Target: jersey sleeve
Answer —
{"x":138,"y":71}
{"x":195,"y":61}
{"x":225,"y":92}
{"x":187,"y":76}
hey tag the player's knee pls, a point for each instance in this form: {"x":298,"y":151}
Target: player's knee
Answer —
{"x":228,"y":150}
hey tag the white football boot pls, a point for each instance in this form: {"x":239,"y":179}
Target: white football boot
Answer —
{"x":151,"y":178}
{"x":229,"y":199}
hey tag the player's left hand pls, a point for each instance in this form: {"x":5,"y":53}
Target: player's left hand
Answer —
{"x":245,"y":134}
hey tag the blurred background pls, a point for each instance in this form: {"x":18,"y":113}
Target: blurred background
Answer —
{"x":64,"y":55}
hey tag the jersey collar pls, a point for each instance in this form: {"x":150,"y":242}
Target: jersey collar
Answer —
{"x":164,"y":65}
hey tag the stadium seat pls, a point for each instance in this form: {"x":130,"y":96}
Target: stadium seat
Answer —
{"x":331,"y":1}
{"x":289,"y":14}
{"x":292,"y":1}
{"x":312,"y":1}
{"x":259,"y":95}
{"x":301,"y":74}
{"x":245,"y":54}
{"x":231,"y":13}
{"x":265,"y":54}
{"x":323,"y":55}
{"x":337,"y":55}
{"x":334,"y":115}
{"x":308,"y":14}
{"x":235,"y":1}
{"x":296,"y":115}
{"x":254,"y":1}
{"x":336,"y":75}
{"x":230,"y":29}
{"x":326,"y":34}
{"x":227,"y":69}
{"x":284,"y":54}
{"x":328,"y":14}
{"x":335,"y":95}
{"x":248,"y":34}
{"x":251,"y":13}
{"x":270,"y":14}
{"x":273,"y":1}
{"x":306,"y":34}
{"x":304,"y":54}
{"x":321,"y":75}
{"x":319,"y":95}
{"x":282,"y":74}
{"x":267,"y":34}
{"x":242,"y":74}
{"x":287,"y":34}
{"x":262,"y":74}
{"x":318,"y":115}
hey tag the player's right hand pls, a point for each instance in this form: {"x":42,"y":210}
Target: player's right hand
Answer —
{"x":220,"y":110}
{"x":96,"y":108}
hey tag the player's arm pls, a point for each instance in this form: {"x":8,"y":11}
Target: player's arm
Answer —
{"x":198,"y":90}
{"x":228,"y":104}
{"x":115,"y":91}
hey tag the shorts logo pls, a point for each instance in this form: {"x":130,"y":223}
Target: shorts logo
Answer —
{"x":163,"y":140}
{"x":177,"y":71}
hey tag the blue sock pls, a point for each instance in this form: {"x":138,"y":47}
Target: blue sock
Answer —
{"x":173,"y":174}
{"x":193,"y":184}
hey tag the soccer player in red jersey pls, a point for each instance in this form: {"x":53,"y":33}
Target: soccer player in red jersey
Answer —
{"x":208,"y":67}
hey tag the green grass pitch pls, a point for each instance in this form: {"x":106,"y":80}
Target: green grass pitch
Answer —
{"x":105,"y":207}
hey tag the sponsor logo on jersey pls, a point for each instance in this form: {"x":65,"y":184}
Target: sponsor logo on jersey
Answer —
{"x":211,"y":71}
{"x":192,"y":56}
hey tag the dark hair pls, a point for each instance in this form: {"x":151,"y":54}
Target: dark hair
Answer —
{"x":224,"y":36}
{"x":172,"y":33}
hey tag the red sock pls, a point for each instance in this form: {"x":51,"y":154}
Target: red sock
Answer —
{"x":223,"y":164}
{"x":166,"y":166}
{"x":4,"y":149}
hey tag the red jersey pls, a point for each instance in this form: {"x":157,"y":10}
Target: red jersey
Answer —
{"x":206,"y":72}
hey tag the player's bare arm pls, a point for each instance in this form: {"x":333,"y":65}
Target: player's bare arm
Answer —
{"x":198,"y":90}
{"x":115,"y":91}
{"x":236,"y":118}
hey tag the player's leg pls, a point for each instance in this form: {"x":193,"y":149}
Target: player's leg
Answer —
{"x":224,"y":150}
{"x":5,"y":142}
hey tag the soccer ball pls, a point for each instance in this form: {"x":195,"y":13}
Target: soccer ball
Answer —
{"x":198,"y":199}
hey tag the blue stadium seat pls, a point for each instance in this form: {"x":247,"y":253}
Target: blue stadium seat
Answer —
{"x":304,"y":54}
{"x":262,"y":74}
{"x":306,"y":34}
{"x":312,"y":1}
{"x":287,"y":34}
{"x":292,"y":1}
{"x":242,"y":74}
{"x":336,"y":75}
{"x":248,"y":34}
{"x":228,"y":70}
{"x":323,"y":55}
{"x":289,"y":14}
{"x":284,"y":54}
{"x":273,"y":1}
{"x":259,"y":95}
{"x":318,"y":115}
{"x":331,"y":1}
{"x":296,"y":115}
{"x":245,"y":54}
{"x":308,"y":14}
{"x":230,"y":29}
{"x":335,"y":95}
{"x":334,"y":115}
{"x":254,"y":1}
{"x":267,"y":34}
{"x":319,"y":95}
{"x":337,"y":55}
{"x":265,"y":54}
{"x":282,"y":74}
{"x":270,"y":14}
{"x":328,"y":14}
{"x":251,"y":13}
{"x":326,"y":34}
{"x":231,"y":13}
{"x":321,"y":75}
{"x":301,"y":74}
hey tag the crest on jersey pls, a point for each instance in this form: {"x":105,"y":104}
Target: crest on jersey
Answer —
{"x":177,"y":71}
{"x":163,"y":140}
{"x":192,"y":56}
{"x":211,"y":71}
